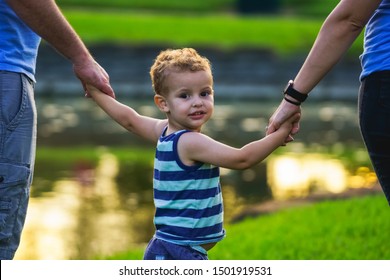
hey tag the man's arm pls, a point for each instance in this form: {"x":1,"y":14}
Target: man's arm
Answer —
{"x":46,"y":19}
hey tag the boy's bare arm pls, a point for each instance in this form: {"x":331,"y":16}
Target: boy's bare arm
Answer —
{"x":197,"y":147}
{"x":146,"y":127}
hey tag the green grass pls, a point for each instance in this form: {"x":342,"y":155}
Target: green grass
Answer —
{"x":352,"y":229}
{"x":283,"y":35}
{"x":296,"y":7}
{"x":71,"y":154}
{"x":158,"y":5}
{"x":310,"y":7}
{"x":213,"y":23}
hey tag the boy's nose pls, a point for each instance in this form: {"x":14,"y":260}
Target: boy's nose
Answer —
{"x":197,"y":102}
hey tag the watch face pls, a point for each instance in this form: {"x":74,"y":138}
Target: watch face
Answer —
{"x":289,"y":84}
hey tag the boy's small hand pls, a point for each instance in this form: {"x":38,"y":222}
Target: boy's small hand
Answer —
{"x":289,"y":125}
{"x":288,"y":139}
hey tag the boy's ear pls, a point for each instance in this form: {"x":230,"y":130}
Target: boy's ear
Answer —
{"x":161,"y":103}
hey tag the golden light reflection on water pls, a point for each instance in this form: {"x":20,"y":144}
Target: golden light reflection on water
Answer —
{"x":297,"y":176}
{"x":86,"y":216}
{"x":76,"y":221}
{"x":50,"y":225}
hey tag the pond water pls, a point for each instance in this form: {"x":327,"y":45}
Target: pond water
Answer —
{"x":92,"y":190}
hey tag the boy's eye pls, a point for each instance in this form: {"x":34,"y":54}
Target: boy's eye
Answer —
{"x":184,"y":95}
{"x":205,"y":93}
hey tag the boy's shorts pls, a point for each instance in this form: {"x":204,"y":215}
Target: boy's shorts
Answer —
{"x":158,"y":249}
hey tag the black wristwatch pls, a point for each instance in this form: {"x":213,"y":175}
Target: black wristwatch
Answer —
{"x":290,"y":91}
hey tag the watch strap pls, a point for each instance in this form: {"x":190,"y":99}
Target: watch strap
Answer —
{"x":294,"y":93}
{"x":292,"y":102}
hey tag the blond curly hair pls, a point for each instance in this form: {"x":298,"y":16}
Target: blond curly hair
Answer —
{"x":171,"y":60}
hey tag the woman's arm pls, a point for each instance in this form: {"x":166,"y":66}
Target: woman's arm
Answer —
{"x":339,"y":31}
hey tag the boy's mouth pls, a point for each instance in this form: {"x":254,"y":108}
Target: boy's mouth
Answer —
{"x":197,"y":113}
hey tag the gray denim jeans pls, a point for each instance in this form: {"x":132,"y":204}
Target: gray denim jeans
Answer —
{"x":17,"y":155}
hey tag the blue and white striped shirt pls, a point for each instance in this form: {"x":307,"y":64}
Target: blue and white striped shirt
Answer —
{"x":188,"y":199}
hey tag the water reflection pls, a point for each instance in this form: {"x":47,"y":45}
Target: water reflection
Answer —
{"x":95,"y":201}
{"x":79,"y":221}
{"x":94,"y":216}
{"x":298,"y":176}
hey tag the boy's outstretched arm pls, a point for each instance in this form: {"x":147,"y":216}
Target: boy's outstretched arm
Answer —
{"x":146,"y":127}
{"x":197,"y":147}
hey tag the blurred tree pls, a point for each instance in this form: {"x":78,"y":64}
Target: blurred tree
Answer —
{"x":255,"y":6}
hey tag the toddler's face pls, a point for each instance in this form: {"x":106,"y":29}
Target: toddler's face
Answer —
{"x":190,"y":99}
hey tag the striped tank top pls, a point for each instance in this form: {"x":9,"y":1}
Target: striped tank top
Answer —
{"x":188,"y":199}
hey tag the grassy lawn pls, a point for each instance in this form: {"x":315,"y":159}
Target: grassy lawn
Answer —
{"x":352,"y":229}
{"x":213,"y":23}
{"x":296,"y":7}
{"x":283,"y":35}
{"x":157,"y":5}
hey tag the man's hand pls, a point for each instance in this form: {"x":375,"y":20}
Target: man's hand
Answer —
{"x":91,"y":73}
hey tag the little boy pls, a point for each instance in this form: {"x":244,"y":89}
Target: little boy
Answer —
{"x":187,"y":191}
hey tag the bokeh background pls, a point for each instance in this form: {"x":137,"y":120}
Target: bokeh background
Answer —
{"x":316,"y":198}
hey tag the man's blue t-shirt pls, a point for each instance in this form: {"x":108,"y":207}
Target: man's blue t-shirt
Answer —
{"x":18,"y":43}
